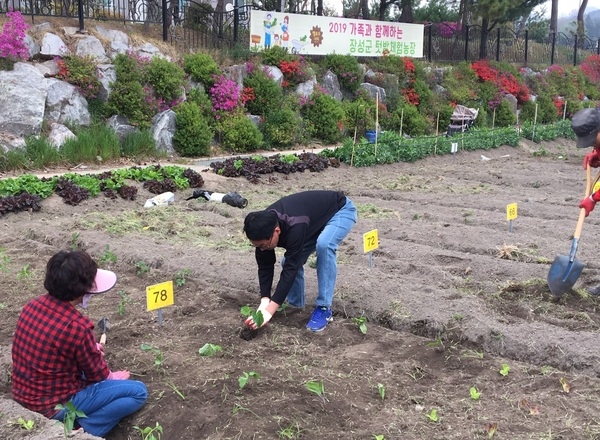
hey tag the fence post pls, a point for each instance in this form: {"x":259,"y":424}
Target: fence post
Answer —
{"x":467,"y":43}
{"x":165,"y":17}
{"x":526,"y":44}
{"x":598,"y":47}
{"x":553,"y":47}
{"x":429,"y":41}
{"x":236,"y":21}
{"x":498,"y":46}
{"x":80,"y":14}
{"x":575,"y":51}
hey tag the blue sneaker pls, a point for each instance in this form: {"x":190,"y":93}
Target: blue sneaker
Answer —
{"x":319,"y":319}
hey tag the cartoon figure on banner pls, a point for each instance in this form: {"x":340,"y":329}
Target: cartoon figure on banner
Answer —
{"x":285,"y":34}
{"x":268,"y":27}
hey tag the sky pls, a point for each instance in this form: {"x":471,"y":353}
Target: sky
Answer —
{"x":564,"y":6}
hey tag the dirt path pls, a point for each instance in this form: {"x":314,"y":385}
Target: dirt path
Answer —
{"x":451,"y":294}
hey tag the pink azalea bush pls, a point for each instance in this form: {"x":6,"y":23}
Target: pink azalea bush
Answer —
{"x":12,"y":38}
{"x":225,"y":95}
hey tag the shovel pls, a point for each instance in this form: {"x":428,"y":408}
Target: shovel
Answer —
{"x":103,"y":325}
{"x":565,"y":270}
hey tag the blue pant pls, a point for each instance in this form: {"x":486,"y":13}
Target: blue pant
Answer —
{"x":106,"y":403}
{"x":326,"y":246}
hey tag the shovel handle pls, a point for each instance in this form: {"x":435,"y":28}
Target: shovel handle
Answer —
{"x":103,"y":337}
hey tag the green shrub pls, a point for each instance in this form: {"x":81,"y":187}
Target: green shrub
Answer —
{"x":201,"y":67}
{"x":238,"y":133}
{"x":274,"y":55}
{"x":280,"y":128}
{"x":325,"y":117}
{"x":267,"y":93}
{"x":412,"y":122}
{"x":80,"y":72}
{"x":504,"y":115}
{"x":129,"y":68}
{"x":347,"y":70}
{"x":166,"y":78}
{"x":128,"y":99}
{"x":360,"y":115}
{"x":203,"y":101}
{"x":193,"y":135}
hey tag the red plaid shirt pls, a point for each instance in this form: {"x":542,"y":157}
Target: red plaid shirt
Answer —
{"x":54,"y":355}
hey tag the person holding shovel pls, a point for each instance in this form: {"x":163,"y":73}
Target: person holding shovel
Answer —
{"x":586,"y":125}
{"x":301,"y":223}
{"x":55,"y":357}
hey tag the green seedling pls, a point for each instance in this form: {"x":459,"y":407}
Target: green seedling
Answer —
{"x":290,"y":432}
{"x":282,"y":308}
{"x":24,"y":272}
{"x":361,"y":322}
{"x":71,"y":414}
{"x":378,"y":437}
{"x":123,"y":303}
{"x":474,"y":393}
{"x":141,"y":268}
{"x":26,"y":424}
{"x":158,"y":355}
{"x":149,"y":433}
{"x":381,"y":390}
{"x":181,"y":277}
{"x":504,"y":370}
{"x":74,"y":242}
{"x":432,"y":415}
{"x":256,"y":315}
{"x":246,"y":376}
{"x":491,"y":429}
{"x":209,"y":349}
{"x":107,"y":256}
{"x":316,"y":387}
{"x":171,"y":385}
{"x":566,"y":386}
{"x":4,"y":260}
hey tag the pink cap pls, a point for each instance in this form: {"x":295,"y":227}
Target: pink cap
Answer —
{"x":104,"y":281}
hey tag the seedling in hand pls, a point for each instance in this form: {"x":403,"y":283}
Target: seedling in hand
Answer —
{"x":474,"y":393}
{"x":209,"y":349}
{"x":256,"y":315}
{"x":381,"y":390}
{"x":71,"y":413}
{"x":361,"y":322}
{"x":149,"y":433}
{"x":432,"y":415}
{"x":504,"y":370}
{"x":246,"y":376}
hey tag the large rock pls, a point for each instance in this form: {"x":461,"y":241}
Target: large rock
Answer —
{"x":53,"y":45}
{"x":23,"y":93}
{"x":163,"y":129}
{"x":64,"y":104}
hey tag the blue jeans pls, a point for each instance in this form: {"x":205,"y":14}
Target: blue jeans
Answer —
{"x":106,"y":403}
{"x":326,"y":246}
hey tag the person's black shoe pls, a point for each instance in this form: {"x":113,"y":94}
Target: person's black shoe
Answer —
{"x":594,"y":291}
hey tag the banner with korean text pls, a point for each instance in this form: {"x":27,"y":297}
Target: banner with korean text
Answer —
{"x":316,"y":35}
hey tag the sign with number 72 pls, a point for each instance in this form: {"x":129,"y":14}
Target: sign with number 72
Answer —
{"x":160,"y":295}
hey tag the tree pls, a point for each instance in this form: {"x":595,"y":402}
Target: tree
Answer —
{"x":496,"y":12}
{"x":554,"y":17}
{"x":580,"y":25}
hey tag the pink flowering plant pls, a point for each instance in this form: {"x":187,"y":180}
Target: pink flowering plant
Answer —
{"x":225,"y":96}
{"x":12,"y":38}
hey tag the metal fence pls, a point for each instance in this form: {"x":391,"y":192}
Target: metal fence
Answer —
{"x":192,"y":25}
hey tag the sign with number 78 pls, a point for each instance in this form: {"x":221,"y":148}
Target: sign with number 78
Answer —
{"x":160,"y":295}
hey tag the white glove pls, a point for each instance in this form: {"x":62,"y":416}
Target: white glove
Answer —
{"x":264,"y":302}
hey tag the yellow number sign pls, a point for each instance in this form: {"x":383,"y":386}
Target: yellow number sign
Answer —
{"x":511,"y":211}
{"x":160,"y":295}
{"x":370,"y":240}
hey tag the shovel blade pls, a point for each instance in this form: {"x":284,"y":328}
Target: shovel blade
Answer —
{"x":563,"y":274}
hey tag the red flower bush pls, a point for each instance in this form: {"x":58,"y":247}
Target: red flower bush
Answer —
{"x":591,"y":68}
